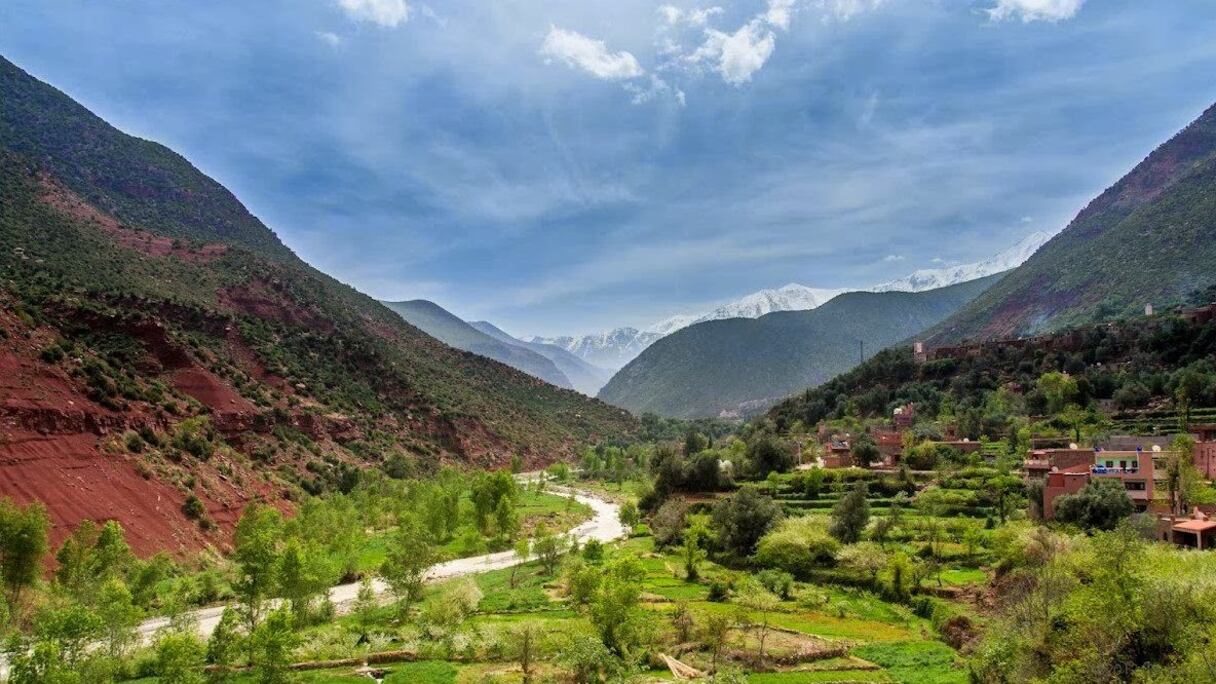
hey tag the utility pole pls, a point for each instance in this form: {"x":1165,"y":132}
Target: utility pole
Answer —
{"x":861,"y":351}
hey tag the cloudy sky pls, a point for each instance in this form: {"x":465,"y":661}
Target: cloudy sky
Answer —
{"x":561,"y":167}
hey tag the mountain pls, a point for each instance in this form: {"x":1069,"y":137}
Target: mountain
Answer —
{"x":611,"y":349}
{"x":585,"y":377}
{"x":446,"y":327}
{"x":740,"y":365}
{"x":934,"y":278}
{"x":617,"y":347}
{"x":159,"y":344}
{"x":1148,"y":239}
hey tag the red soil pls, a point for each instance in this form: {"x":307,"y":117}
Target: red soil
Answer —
{"x":136,"y":240}
{"x":210,"y":390}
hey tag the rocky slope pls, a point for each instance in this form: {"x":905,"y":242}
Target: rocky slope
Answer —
{"x":585,"y":377}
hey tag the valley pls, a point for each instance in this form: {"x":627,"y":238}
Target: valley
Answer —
{"x":981,"y":449}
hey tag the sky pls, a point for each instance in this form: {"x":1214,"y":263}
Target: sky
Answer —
{"x":566,"y":167}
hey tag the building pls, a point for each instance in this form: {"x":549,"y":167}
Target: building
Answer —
{"x":1205,"y":450}
{"x":1068,"y":471}
{"x":1196,"y":530}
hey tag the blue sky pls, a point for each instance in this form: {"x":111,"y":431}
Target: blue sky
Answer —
{"x":561,"y":167}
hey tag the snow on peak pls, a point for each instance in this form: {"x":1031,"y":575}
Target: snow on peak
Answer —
{"x":933,"y":278}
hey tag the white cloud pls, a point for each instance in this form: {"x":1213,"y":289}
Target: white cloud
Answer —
{"x":938,"y":260}
{"x":386,"y":13}
{"x":576,"y":50}
{"x":843,"y":10}
{"x":893,"y":257}
{"x":329,"y":38}
{"x":778,"y":13}
{"x":657,"y":86}
{"x":693,"y":17}
{"x":1035,"y":10}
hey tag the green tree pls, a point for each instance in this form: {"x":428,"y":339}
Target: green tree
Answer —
{"x":1003,"y":488}
{"x":1188,"y":384}
{"x":1058,"y":389}
{"x":119,"y":617}
{"x":225,"y":642}
{"x":365,"y":608}
{"x":693,"y":551}
{"x":768,"y":454}
{"x":742,"y":518}
{"x":524,"y":642}
{"x":180,"y":657}
{"x":304,"y":574}
{"x":1099,"y":506}
{"x":409,"y":556}
{"x":271,"y":645}
{"x":506,"y":519}
{"x":523,"y":550}
{"x":851,"y":515}
{"x":715,"y":632}
{"x":548,"y":547}
{"x":629,"y":515}
{"x":613,"y":609}
{"x":23,"y":544}
{"x":257,"y":538}
{"x":761,"y":603}
{"x":865,"y":450}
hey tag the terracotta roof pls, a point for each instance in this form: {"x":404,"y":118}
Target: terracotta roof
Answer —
{"x":1195,"y":525}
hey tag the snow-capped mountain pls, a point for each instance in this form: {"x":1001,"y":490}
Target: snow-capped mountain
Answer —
{"x":792,"y":297}
{"x":615,"y":348}
{"x":933,"y":278}
{"x":611,"y":349}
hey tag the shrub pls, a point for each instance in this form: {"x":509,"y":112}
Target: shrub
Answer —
{"x":797,"y":546}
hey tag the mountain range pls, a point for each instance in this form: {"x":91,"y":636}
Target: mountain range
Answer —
{"x":617,"y":347}
{"x":739,"y":366}
{"x":160,"y":345}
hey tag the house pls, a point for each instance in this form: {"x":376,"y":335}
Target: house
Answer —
{"x":1196,"y":530}
{"x":1068,"y":471}
{"x":1205,"y":449}
{"x":837,"y":453}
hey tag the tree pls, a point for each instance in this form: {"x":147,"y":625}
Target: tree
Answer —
{"x":517,"y":463}
{"x":75,"y":559}
{"x":525,"y":647}
{"x":694,"y":540}
{"x":112,"y":556}
{"x":667,"y":523}
{"x":1188,"y":384}
{"x":768,"y":454}
{"x":225,"y":641}
{"x":1182,"y":478}
{"x":715,"y":631}
{"x":742,"y":518}
{"x":865,"y":451}
{"x":548,"y":547}
{"x":179,"y":658}
{"x":1099,"y":506}
{"x":865,"y":558}
{"x":271,"y":645}
{"x":506,"y":519}
{"x":588,"y":660}
{"x":761,"y":602}
{"x":404,"y":568}
{"x":613,"y":609}
{"x":365,"y":608}
{"x":629,"y":516}
{"x":443,"y":616}
{"x":683,"y":622}
{"x":304,"y":574}
{"x":1003,"y":487}
{"x":118,"y":615}
{"x":23,"y":543}
{"x":523,"y":550}
{"x":256,"y":554}
{"x":851,"y":515}
{"x":1058,"y":389}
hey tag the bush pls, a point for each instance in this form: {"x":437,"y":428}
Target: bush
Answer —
{"x":797,"y":546}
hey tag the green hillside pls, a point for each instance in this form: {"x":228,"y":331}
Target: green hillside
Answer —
{"x":743,"y":365}
{"x":444,"y":326}
{"x":140,"y":298}
{"x":585,"y":377}
{"x":1149,"y":238}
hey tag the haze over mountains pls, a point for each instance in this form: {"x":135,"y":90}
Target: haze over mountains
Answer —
{"x":617,"y":347}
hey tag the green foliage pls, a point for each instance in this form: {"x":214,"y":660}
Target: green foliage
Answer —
{"x":851,"y":515}
{"x":1101,"y":505}
{"x":797,"y":546}
{"x":180,"y":658}
{"x":404,"y":569}
{"x":741,"y":519}
{"x":23,"y":543}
